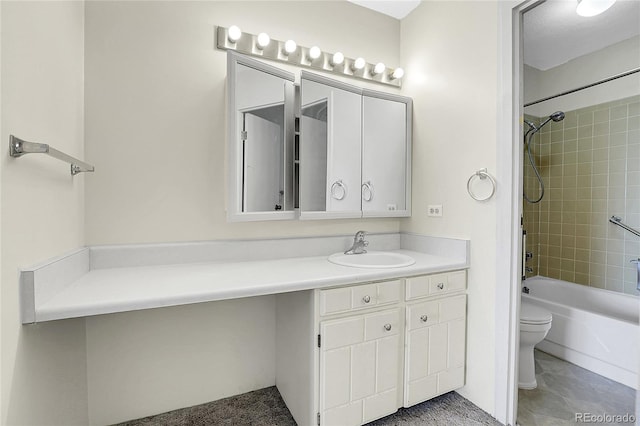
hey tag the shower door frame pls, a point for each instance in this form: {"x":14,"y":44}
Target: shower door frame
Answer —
{"x":509,"y":158}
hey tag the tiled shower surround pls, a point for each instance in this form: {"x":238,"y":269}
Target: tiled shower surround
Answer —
{"x":590,"y":165}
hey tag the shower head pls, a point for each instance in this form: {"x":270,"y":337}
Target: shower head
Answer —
{"x":533,"y":129}
{"x":557,"y":116}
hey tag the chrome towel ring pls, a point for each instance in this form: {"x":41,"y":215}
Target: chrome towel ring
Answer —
{"x":482,"y":174}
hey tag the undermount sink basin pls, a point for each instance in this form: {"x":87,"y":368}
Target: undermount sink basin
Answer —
{"x":372,"y":259}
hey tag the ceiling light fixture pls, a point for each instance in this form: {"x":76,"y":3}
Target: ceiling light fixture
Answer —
{"x":588,"y":8}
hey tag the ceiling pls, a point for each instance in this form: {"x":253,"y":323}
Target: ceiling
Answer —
{"x":395,"y":8}
{"x":553,"y":32}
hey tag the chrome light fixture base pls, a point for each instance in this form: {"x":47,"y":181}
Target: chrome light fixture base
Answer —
{"x":275,"y":51}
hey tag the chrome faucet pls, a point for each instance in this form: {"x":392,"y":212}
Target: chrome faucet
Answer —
{"x":359,"y":243}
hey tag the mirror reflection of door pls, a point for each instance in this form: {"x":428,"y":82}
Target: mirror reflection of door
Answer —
{"x":262,"y":133}
{"x":314,"y":121}
{"x":263,"y":158}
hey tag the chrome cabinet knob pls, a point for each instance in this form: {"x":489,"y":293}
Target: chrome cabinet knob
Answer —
{"x":366,"y":299}
{"x":387,"y":327}
{"x":424,"y":318}
{"x":440,"y":286}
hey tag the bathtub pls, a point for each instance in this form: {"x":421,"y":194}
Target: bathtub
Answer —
{"x":593,"y":328}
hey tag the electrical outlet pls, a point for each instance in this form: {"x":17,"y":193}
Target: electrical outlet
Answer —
{"x":434,"y":210}
{"x":392,"y":207}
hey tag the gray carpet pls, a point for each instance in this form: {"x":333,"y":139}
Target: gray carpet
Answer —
{"x":265,"y":407}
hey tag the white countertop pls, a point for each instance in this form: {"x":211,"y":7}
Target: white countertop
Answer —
{"x":119,"y":289}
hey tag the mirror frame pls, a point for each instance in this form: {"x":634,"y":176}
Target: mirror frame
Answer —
{"x":234,"y":157}
{"x":406,"y":212}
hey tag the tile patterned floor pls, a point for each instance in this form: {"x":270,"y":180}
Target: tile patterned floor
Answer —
{"x":565,"y":389}
{"x":265,"y":407}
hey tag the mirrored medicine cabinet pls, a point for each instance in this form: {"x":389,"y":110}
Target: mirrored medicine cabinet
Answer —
{"x":327,"y":150}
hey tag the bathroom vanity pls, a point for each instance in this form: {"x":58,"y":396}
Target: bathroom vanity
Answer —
{"x":352,"y":343}
{"x":378,"y":346}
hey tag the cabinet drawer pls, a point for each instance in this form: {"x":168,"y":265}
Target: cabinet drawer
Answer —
{"x":345,"y":299}
{"x":429,"y":313}
{"x":447,"y":283}
{"x":364,"y":296}
{"x":380,"y":325}
{"x":433,"y":285}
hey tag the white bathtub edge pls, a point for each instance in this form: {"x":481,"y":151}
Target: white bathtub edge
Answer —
{"x":620,"y":375}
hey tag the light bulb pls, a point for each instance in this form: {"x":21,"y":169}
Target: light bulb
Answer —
{"x":337,"y":59}
{"x":263,"y":40}
{"x":397,"y":73}
{"x":358,"y":64}
{"x":314,"y":53}
{"x":379,"y":68}
{"x":290,"y":46}
{"x":234,"y":33}
{"x":589,"y":8}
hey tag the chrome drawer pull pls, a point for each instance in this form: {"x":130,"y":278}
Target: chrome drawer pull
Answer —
{"x":424,"y":318}
{"x":387,"y":327}
{"x":366,"y":299}
{"x":338,"y":190}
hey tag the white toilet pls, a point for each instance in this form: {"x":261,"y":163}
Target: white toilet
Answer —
{"x":535,"y":323}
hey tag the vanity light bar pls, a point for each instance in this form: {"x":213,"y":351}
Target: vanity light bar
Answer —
{"x":311,"y":57}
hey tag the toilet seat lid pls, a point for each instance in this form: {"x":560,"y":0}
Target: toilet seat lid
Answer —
{"x":534,"y":314}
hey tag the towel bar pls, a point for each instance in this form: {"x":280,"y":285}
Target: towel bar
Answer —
{"x":19,"y":147}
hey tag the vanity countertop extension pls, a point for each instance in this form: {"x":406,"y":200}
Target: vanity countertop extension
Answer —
{"x":102,"y":280}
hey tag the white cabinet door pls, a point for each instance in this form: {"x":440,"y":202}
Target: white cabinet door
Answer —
{"x":330,"y":152}
{"x":435,"y":348}
{"x":360,"y":368}
{"x":385,"y":155}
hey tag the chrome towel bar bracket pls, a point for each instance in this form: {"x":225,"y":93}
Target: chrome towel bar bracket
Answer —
{"x":19,"y":147}
{"x":618,"y":221}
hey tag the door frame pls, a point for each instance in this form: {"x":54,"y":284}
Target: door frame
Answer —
{"x":509,"y":157}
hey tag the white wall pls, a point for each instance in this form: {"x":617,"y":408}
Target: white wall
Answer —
{"x":146,"y":362}
{"x":587,"y":69}
{"x":43,"y":367}
{"x":155,"y":111}
{"x":450,"y":53}
{"x":155,"y":128}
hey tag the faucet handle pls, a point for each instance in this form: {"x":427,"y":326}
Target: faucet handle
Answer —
{"x":360,"y":235}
